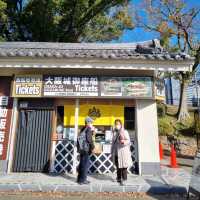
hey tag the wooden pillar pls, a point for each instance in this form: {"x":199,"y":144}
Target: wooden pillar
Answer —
{"x":13,"y":129}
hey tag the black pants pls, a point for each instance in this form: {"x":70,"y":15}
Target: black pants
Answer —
{"x":83,"y":167}
{"x":121,"y":172}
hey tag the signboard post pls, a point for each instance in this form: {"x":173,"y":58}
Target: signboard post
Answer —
{"x":6,"y":104}
{"x":4,"y":125}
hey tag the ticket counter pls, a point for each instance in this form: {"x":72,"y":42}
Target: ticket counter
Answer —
{"x":104,"y":113}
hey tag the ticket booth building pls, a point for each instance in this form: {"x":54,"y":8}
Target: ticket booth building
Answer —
{"x":57,"y":85}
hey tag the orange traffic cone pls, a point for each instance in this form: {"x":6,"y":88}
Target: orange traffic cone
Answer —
{"x":160,"y":151}
{"x":173,"y":163}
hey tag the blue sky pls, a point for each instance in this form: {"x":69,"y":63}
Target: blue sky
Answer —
{"x":139,"y":34}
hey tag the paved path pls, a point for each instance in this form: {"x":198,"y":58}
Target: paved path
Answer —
{"x":185,"y":163}
{"x":170,"y":181}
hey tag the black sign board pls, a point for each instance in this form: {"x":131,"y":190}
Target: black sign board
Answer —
{"x":93,"y":86}
{"x":70,"y":86}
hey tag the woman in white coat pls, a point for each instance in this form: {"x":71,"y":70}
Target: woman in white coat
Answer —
{"x":121,"y":154}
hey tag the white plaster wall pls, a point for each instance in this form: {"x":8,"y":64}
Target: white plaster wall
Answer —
{"x":147,"y":132}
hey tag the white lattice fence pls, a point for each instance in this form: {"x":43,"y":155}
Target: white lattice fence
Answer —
{"x":100,"y":163}
{"x":64,"y":154}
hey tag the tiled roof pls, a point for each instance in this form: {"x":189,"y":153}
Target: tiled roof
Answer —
{"x":149,"y":50}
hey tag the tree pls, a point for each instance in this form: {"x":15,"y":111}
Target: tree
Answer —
{"x":178,"y":26}
{"x":3,"y":19}
{"x":13,"y":28}
{"x":70,"y":20}
{"x":3,"y":6}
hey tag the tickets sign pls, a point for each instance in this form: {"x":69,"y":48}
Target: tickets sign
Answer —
{"x":64,"y":86}
{"x":27,"y":86}
{"x":82,"y":86}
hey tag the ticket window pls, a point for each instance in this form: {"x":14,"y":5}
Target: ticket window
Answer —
{"x":103,"y":115}
{"x":105,"y":122}
{"x":129,"y":125}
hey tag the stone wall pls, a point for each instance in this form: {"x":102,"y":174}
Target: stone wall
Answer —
{"x":187,"y":146}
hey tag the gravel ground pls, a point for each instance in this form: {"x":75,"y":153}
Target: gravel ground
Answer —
{"x":87,"y":196}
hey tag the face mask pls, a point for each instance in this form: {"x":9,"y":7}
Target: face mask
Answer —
{"x":90,"y":125}
{"x":118,"y":127}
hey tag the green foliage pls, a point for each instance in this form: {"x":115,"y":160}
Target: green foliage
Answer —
{"x":168,"y":124}
{"x":39,"y":18}
{"x":107,"y":28}
{"x":2,"y":39}
{"x":3,"y":19}
{"x":185,"y":128}
{"x":161,"y":110}
{"x":176,"y":23}
{"x":69,"y":20}
{"x":3,"y":6}
{"x":165,"y":127}
{"x":179,"y":126}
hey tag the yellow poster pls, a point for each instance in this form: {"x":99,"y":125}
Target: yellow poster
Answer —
{"x":104,"y":115}
{"x":69,"y":115}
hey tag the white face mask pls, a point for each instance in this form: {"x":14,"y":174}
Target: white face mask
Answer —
{"x":118,"y":127}
{"x":90,"y":125}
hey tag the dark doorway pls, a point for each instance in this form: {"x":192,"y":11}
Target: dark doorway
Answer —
{"x":33,"y":141}
{"x":129,"y":118}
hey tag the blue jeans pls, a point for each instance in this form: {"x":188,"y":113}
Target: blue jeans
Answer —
{"x":83,"y":167}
